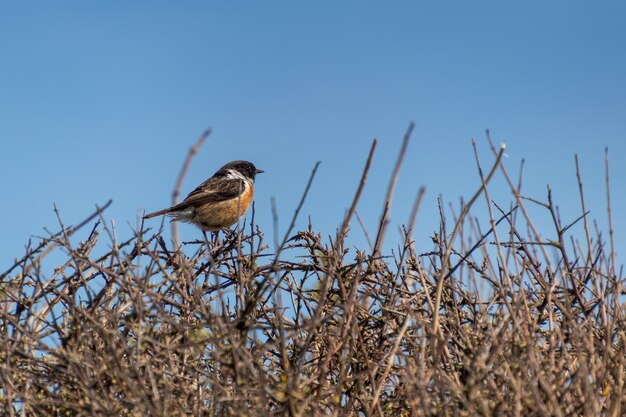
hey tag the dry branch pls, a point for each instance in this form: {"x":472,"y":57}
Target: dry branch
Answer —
{"x":482,"y":324}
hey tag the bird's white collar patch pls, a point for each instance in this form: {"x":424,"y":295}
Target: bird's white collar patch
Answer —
{"x":233,"y":174}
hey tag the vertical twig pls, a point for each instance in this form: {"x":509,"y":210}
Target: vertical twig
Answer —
{"x":582,"y":203}
{"x":384,"y":219}
{"x":365,"y":232}
{"x":357,"y":196}
{"x":608,"y":209}
{"x":181,"y":176}
{"x":275,"y":222}
{"x":414,"y":210}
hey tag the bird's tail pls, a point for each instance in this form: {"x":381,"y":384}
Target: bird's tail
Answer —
{"x":157,"y":213}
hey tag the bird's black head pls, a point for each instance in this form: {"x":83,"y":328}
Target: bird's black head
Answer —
{"x":245,"y":168}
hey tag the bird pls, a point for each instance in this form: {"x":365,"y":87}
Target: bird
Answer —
{"x":218,"y":202}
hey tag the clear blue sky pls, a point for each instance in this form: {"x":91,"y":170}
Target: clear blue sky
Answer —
{"x":102,"y":100}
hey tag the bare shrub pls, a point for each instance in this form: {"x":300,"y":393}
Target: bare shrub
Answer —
{"x":503,"y":321}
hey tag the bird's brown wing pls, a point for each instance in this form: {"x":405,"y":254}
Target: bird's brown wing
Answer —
{"x":210,"y":191}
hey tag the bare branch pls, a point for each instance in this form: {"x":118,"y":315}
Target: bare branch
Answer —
{"x":181,"y":177}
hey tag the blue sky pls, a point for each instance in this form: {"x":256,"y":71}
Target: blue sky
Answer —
{"x":102,"y":100}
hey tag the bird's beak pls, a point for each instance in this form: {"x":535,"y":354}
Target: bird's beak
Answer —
{"x":259,"y":171}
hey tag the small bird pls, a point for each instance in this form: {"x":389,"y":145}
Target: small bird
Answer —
{"x":218,"y":202}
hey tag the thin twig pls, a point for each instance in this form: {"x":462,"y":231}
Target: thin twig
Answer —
{"x":357,"y":196}
{"x":365,"y":232}
{"x":384,"y":219}
{"x":181,"y":176}
{"x":582,"y":204}
{"x":416,"y":206}
{"x":275,"y":222}
{"x":608,"y":207}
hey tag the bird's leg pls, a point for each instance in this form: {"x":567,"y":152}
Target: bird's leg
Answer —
{"x":209,"y":246}
{"x":215,"y":238}
{"x":206,"y":242}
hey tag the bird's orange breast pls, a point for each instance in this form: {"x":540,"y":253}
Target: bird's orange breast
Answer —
{"x":218,"y":215}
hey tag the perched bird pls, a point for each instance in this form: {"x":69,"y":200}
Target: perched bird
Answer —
{"x":220,"y":201}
